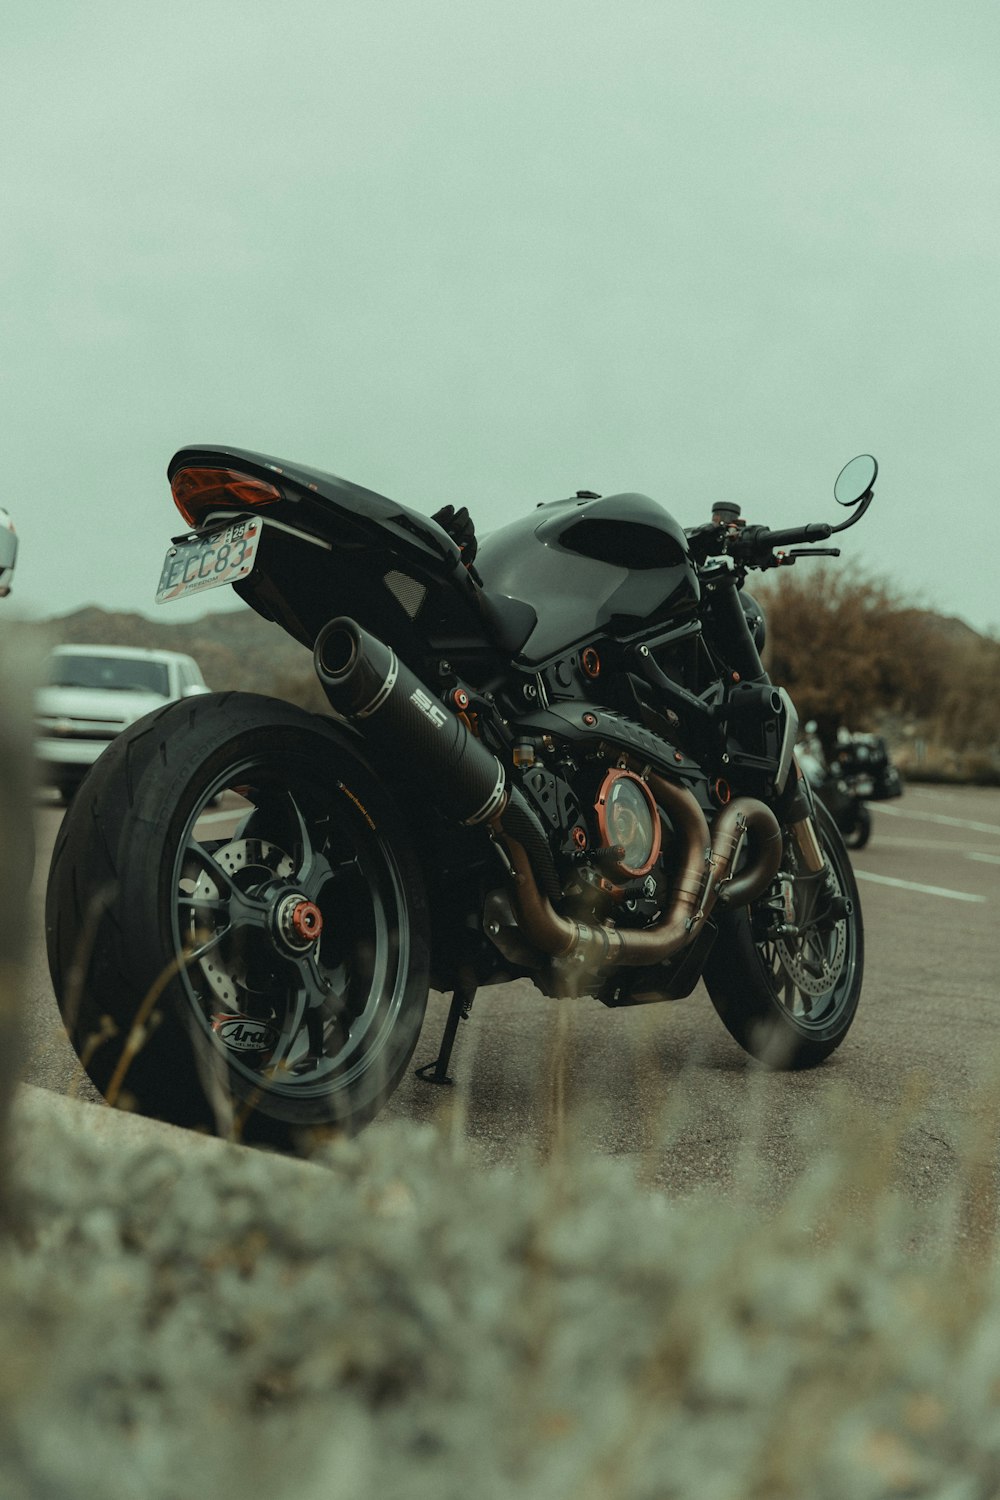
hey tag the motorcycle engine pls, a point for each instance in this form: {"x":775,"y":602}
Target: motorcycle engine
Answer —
{"x":614,"y":854}
{"x":606,"y":832}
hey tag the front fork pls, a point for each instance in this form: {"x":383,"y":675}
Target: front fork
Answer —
{"x":823,"y":903}
{"x":803,"y":827}
{"x":796,"y":902}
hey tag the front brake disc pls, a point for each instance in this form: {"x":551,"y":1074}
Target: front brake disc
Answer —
{"x":814,"y":959}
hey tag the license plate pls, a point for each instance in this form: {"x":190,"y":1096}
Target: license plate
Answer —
{"x":206,"y":562}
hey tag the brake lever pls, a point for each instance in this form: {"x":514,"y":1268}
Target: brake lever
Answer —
{"x":785,"y":559}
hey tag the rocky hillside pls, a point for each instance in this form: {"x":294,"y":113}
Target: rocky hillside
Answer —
{"x":910,"y":674}
{"x":236,"y":649}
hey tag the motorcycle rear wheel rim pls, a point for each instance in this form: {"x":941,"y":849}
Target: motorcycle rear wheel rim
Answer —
{"x":332,"y":1010}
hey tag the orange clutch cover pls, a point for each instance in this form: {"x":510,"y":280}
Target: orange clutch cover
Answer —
{"x":628,"y":819}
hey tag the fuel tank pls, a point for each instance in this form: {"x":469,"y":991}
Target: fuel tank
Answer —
{"x":614,"y":564}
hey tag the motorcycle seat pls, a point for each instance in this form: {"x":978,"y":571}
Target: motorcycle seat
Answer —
{"x":332,"y":507}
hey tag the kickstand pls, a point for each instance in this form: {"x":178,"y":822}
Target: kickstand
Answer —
{"x":461,"y":1005}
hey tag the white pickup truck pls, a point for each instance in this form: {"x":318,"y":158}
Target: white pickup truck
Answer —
{"x":91,"y":693}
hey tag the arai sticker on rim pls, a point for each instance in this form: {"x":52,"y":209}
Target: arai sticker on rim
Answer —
{"x":245,"y":1034}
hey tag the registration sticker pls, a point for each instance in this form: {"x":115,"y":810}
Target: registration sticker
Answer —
{"x":206,"y":562}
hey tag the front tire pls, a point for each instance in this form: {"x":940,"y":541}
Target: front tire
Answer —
{"x":790,"y":1000}
{"x":236,"y":923}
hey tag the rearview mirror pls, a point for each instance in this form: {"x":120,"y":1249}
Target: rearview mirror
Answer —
{"x":855,"y":480}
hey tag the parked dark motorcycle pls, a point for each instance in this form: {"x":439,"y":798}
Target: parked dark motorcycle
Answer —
{"x":861,"y":771}
{"x":563,"y":761}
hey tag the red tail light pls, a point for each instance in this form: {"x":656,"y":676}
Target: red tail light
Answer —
{"x":198,"y":490}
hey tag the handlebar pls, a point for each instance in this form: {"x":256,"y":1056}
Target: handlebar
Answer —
{"x":755,"y":543}
{"x":755,"y":546}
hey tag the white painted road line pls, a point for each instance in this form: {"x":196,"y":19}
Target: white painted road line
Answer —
{"x":986,"y":859}
{"x":927,"y":844}
{"x":902,"y":812}
{"x":911,"y":885}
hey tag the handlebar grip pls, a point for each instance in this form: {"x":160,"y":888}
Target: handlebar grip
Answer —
{"x":817,"y":532}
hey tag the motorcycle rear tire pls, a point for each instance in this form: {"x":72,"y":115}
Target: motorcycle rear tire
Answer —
{"x":751,"y":979}
{"x":274,"y":1034}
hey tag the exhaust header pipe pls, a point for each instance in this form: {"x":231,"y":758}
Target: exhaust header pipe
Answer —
{"x":706,"y":877}
{"x":364,"y":679}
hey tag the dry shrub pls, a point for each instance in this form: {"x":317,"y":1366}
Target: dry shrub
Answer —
{"x":847,"y":647}
{"x":966,"y":713}
{"x":852,"y":651}
{"x":398,"y":1321}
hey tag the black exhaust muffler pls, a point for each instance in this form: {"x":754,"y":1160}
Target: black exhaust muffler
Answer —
{"x":365,"y":681}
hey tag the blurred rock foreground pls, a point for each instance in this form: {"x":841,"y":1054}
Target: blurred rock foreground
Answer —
{"x":188,"y":1318}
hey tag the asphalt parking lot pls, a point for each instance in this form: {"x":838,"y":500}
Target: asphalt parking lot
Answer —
{"x":667,"y":1085}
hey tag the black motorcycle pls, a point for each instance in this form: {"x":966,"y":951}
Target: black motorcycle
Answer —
{"x":559,"y":759}
{"x":860,"y":771}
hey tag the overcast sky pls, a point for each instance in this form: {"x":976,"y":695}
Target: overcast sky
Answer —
{"x":491,"y":254}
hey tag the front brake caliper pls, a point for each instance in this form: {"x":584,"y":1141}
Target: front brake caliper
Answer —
{"x":779,"y":908}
